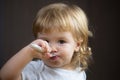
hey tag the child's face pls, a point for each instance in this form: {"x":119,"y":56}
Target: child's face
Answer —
{"x":63,"y":46}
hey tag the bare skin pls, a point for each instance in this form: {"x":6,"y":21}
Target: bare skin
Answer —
{"x":19,"y":61}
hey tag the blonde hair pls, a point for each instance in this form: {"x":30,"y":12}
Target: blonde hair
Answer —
{"x":62,"y":17}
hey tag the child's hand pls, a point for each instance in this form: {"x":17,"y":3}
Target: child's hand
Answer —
{"x":40,"y":49}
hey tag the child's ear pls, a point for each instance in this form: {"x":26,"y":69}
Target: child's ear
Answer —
{"x":78,"y":44}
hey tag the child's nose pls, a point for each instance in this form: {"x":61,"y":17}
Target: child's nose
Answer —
{"x":53,"y":47}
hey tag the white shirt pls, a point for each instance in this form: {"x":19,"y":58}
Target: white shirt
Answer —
{"x":37,"y":70}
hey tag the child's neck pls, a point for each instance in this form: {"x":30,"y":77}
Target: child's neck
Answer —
{"x":68,"y":67}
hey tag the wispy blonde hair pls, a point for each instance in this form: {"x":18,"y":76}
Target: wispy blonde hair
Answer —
{"x":62,"y":17}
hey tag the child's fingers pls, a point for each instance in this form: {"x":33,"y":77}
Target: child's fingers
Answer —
{"x":41,"y":47}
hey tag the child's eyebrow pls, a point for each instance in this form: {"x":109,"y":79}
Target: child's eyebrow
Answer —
{"x":42,"y":38}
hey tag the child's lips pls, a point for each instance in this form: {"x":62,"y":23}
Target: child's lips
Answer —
{"x":54,"y":57}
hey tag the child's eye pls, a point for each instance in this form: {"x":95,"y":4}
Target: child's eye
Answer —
{"x":46,"y":41}
{"x":62,"y":41}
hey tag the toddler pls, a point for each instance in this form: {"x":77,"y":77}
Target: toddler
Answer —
{"x":61,"y":47}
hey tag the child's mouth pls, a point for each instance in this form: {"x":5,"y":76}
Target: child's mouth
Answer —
{"x":54,"y":57}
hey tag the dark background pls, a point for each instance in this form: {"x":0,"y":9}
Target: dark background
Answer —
{"x":16,"y":17}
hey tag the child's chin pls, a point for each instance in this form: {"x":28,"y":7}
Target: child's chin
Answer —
{"x":56,"y":65}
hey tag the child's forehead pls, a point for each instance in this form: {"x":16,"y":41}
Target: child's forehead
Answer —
{"x":54,"y":32}
{"x":56,"y":35}
{"x":56,"y":29}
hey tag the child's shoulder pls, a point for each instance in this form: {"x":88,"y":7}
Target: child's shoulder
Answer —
{"x":35,"y":65}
